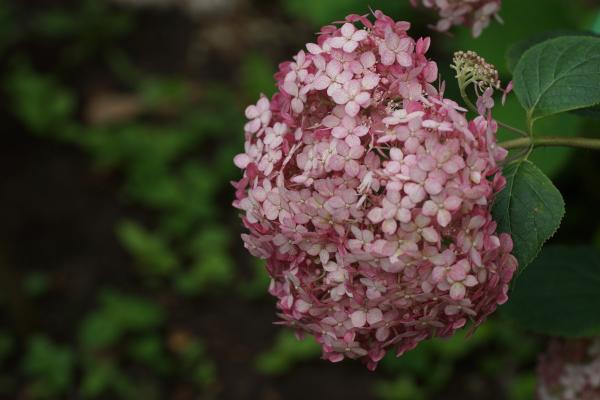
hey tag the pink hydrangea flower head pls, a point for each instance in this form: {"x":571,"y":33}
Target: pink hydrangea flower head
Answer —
{"x":570,"y":370}
{"x":369,"y":195}
{"x":475,"y":14}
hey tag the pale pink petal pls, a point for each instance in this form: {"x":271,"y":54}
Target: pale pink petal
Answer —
{"x":352,"y":108}
{"x":369,"y":81}
{"x":340,"y":96}
{"x":452,"y":203}
{"x":252,"y":112}
{"x":359,"y":35}
{"x":404,"y":59}
{"x":242,"y":160}
{"x":338,"y":42}
{"x":350,"y":46}
{"x":430,"y":208}
{"x":321,"y":82}
{"x":347,"y":30}
{"x":389,"y":226}
{"x":331,"y":121}
{"x":339,"y":132}
{"x":444,"y":217}
{"x":334,"y":67}
{"x":359,"y":319}
{"x":362,"y":98}
{"x":376,"y":215}
{"x":374,"y":315}
{"x":313,"y":48}
{"x":457,"y":291}
{"x":367,"y":59}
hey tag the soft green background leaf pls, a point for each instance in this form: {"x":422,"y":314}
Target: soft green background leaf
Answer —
{"x":117,"y":316}
{"x":149,"y":250}
{"x":530,"y":209}
{"x":49,"y":366}
{"x":559,"y":75}
{"x":321,"y":12}
{"x":596,"y":23}
{"x":286,"y":352}
{"x":559,"y":294}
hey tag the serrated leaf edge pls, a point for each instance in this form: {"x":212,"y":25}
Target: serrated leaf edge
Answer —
{"x":562,"y":209}
{"x":516,"y":70}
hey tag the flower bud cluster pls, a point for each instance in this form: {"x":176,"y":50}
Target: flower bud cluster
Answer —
{"x":369,"y":195}
{"x":472,"y":68}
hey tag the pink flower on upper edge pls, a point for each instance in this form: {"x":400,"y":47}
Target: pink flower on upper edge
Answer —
{"x":349,"y":39}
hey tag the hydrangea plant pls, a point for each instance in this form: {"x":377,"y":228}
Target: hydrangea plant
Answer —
{"x":387,"y":214}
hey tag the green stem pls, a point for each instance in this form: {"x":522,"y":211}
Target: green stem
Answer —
{"x":463,"y":93}
{"x":512,"y":128}
{"x":465,"y":97}
{"x":584,"y":143}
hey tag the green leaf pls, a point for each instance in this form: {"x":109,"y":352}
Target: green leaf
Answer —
{"x":403,"y":388}
{"x":132,"y":313}
{"x":6,"y":345}
{"x":530,"y":209}
{"x":516,"y":51}
{"x":41,"y":103}
{"x":559,"y":75}
{"x":523,"y":386}
{"x":596,"y":24}
{"x":149,"y":351}
{"x":559,"y":294}
{"x":99,"y":331}
{"x":118,"y":315}
{"x":102,"y":375}
{"x":286,"y":352}
{"x":163,"y":92}
{"x":49,"y":366}
{"x":151,"y":251}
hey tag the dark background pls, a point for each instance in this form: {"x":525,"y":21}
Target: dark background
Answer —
{"x":122,"y":275}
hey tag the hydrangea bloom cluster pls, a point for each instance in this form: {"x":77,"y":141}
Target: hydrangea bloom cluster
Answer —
{"x":570,"y":370}
{"x":473,"y":13}
{"x":368,"y":193}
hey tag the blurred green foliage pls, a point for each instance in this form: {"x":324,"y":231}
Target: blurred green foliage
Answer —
{"x":149,"y":250}
{"x":176,"y":168}
{"x":255,"y":286}
{"x":426,"y":372}
{"x":40,"y":102}
{"x":287,"y":351}
{"x":325,"y":12}
{"x":117,"y":316}
{"x":49,"y":366}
